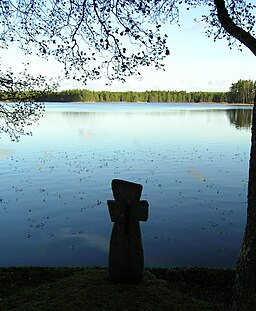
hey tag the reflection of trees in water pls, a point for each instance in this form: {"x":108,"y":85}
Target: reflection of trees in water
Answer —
{"x":241,"y":118}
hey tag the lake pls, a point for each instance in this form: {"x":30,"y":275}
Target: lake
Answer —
{"x":192,"y":160}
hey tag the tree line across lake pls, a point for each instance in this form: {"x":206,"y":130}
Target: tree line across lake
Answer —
{"x":242,"y":91}
{"x":147,"y":96}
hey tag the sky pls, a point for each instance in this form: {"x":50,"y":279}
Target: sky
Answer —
{"x":196,"y":63}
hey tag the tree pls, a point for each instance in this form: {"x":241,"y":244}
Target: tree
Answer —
{"x":90,"y":38}
{"x":18,"y":106}
{"x":245,"y":285}
{"x":242,"y":91}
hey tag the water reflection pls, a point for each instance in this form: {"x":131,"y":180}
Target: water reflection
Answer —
{"x":85,"y":134}
{"x":198,"y":175}
{"x":4,"y":153}
{"x":240,"y":118}
{"x":192,"y":163}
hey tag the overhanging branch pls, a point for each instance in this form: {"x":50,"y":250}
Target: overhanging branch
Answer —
{"x":237,"y":32}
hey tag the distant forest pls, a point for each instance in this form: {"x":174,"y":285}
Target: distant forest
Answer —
{"x":147,"y":96}
{"x":242,"y":91}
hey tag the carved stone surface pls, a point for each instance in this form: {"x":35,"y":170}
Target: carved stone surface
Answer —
{"x":126,"y":260}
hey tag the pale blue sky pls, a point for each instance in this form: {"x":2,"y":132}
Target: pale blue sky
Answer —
{"x":196,"y":63}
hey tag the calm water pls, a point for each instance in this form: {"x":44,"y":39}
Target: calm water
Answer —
{"x":192,"y":161}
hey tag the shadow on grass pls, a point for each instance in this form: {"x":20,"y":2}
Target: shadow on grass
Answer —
{"x":74,"y":289}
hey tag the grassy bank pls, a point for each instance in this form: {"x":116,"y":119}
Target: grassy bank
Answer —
{"x":80,"y":289}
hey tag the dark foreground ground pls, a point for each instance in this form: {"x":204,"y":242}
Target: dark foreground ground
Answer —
{"x":71,"y":289}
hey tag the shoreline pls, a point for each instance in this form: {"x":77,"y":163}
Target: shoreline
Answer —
{"x":127,"y":102}
{"x":138,"y":102}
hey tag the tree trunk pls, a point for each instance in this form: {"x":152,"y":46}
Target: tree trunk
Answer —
{"x":244,"y":295}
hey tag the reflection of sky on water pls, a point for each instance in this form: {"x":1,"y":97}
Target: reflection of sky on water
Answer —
{"x":192,"y":162}
{"x":4,"y":153}
{"x":129,"y":127}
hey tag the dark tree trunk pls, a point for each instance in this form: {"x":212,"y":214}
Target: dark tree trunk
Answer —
{"x":244,"y":296}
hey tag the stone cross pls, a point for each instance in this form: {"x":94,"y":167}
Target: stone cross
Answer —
{"x":126,"y":260}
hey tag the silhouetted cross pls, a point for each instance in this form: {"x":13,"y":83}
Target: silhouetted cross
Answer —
{"x":126,"y":260}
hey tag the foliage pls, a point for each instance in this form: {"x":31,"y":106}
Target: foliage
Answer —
{"x":90,"y":38}
{"x":93,"y":38}
{"x":147,"y":96}
{"x":20,"y":108}
{"x":233,"y":20}
{"x":243,"y":92}
{"x":87,"y":36}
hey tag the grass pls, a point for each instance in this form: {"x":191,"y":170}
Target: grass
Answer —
{"x":37,"y":288}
